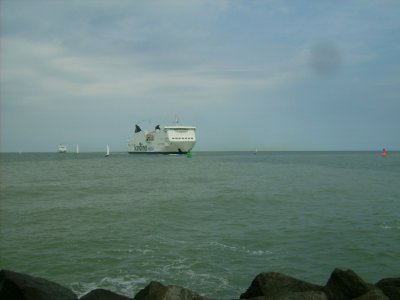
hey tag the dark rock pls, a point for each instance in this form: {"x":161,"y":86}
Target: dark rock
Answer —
{"x":390,"y":287}
{"x":294,"y":296}
{"x":19,"y":286}
{"x":158,"y":291}
{"x":373,"y":294}
{"x":9,"y":290}
{"x":273,"y":284}
{"x":301,"y":296}
{"x":343,"y":285}
{"x":101,"y":294}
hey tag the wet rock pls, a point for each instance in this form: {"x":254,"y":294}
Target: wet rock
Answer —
{"x":301,"y":296}
{"x":373,"y":294}
{"x":272,"y":284}
{"x":158,"y":291}
{"x":20,"y":286}
{"x":343,"y":285}
{"x":390,"y":287}
{"x":294,"y":296}
{"x":101,"y":294}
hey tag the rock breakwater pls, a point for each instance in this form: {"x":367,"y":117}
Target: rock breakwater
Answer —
{"x":341,"y":285}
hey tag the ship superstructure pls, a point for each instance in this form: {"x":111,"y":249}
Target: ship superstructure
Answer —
{"x":175,"y":139}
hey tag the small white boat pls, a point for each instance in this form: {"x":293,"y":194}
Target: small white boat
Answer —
{"x":107,"y":151}
{"x":77,"y":149}
{"x":62,"y":148}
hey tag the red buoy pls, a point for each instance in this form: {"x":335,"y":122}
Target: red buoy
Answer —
{"x":383,"y":152}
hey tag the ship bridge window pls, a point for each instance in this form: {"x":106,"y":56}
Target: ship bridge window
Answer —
{"x":182,"y":138}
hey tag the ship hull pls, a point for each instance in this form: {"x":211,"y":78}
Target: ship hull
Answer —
{"x":159,"y":153}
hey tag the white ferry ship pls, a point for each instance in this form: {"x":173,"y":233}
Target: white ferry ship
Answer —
{"x":175,"y":139}
{"x":62,"y":148}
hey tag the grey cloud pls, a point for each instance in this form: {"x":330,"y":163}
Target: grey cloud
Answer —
{"x":325,"y":58}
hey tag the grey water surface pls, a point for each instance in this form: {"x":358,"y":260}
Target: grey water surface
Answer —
{"x":209,"y":223}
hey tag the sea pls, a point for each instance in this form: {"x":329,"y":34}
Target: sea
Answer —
{"x":209,"y":223}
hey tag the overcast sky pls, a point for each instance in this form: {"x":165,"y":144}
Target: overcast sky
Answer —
{"x":276,"y":75}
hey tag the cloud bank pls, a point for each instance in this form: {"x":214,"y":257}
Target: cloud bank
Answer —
{"x":278,"y":76}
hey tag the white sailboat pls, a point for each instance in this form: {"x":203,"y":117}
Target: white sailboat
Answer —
{"x":77,"y":149}
{"x":107,"y":152}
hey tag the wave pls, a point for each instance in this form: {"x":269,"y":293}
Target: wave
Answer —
{"x":240,"y":249}
{"x":126,"y":285}
{"x":391,"y":225}
{"x":185,"y":272}
{"x":194,"y":274}
{"x":141,"y":251}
